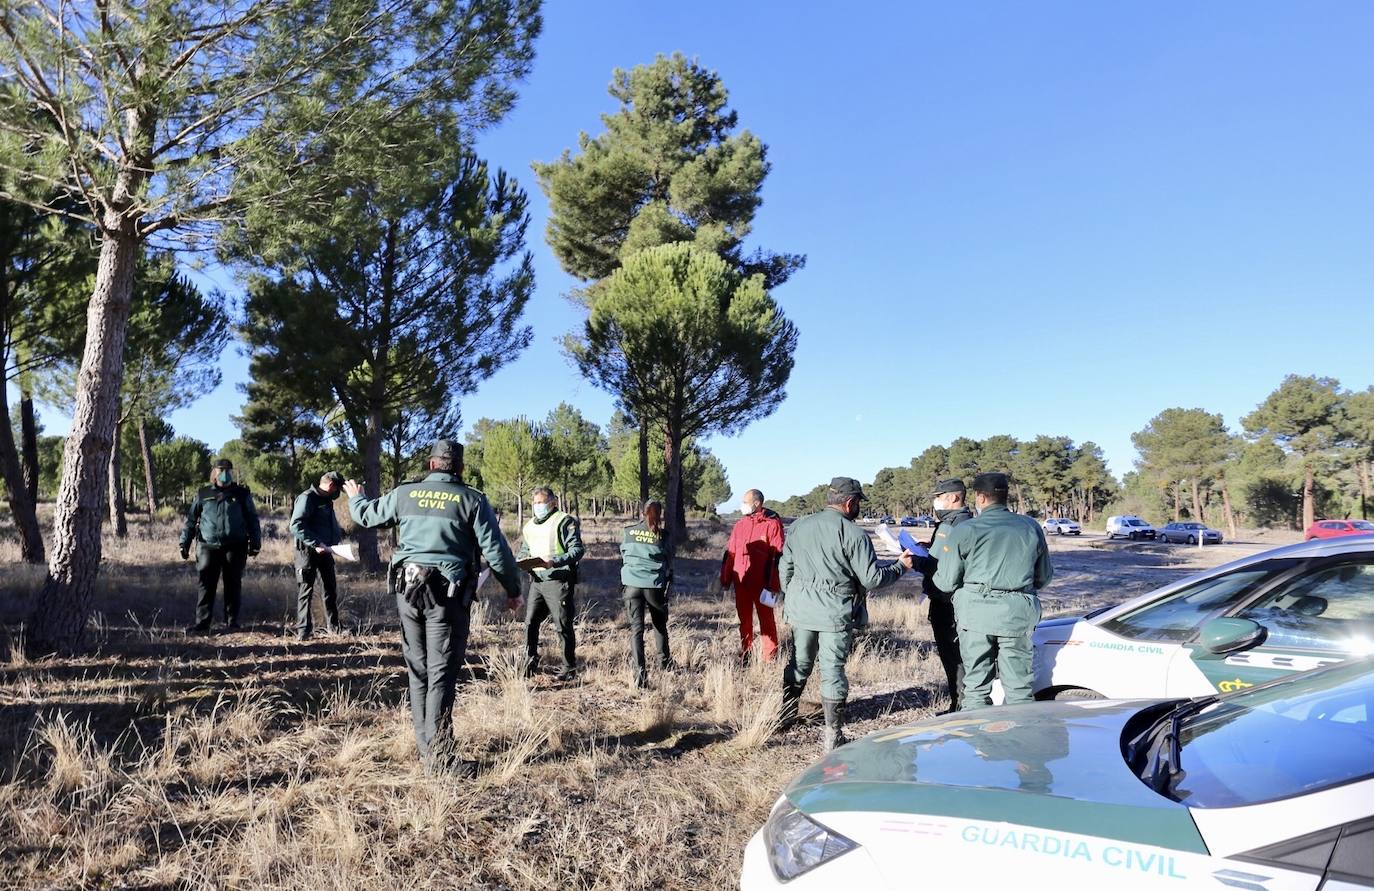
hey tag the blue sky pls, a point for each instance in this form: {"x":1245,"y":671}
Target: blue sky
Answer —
{"x":1072,"y":215}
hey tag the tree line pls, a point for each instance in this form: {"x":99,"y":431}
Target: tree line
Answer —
{"x":1050,"y":475}
{"x":1307,"y":450}
{"x":323,"y":153}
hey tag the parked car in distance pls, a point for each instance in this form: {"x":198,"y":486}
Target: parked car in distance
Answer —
{"x":909,"y":521}
{"x":1062,"y":526}
{"x":886,"y":518}
{"x":1129,"y":526}
{"x":1188,"y":533}
{"x":925,"y":520}
{"x":1337,"y":528}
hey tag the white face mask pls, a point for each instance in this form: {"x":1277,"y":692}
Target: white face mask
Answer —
{"x":542,"y":510}
{"x":746,"y":509}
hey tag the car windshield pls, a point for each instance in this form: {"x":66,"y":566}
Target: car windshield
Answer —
{"x":1291,"y":737}
{"x":1178,"y":615}
{"x":1363,"y":524}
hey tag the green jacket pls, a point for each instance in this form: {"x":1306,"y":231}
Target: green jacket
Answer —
{"x":223,"y":518}
{"x":442,"y":523}
{"x":926,"y":566}
{"x":994,"y":564}
{"x":313,"y":523}
{"x":828,"y":564}
{"x":645,"y":557}
{"x":565,"y":564}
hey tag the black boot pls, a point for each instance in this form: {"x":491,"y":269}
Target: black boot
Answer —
{"x":791,"y":699}
{"x":833,"y":737}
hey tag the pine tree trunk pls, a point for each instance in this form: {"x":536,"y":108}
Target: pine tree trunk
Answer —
{"x":1226,"y":507}
{"x":28,"y":436}
{"x":59,"y":617}
{"x":1178,"y":502}
{"x":369,"y":554}
{"x":1364,"y":489}
{"x":672,"y":455}
{"x":149,"y":481}
{"x":1197,"y":502}
{"x":118,"y":520}
{"x":22,"y":507}
{"x":643,"y":464}
{"x":1309,"y":508}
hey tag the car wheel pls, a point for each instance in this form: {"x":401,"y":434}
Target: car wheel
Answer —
{"x":1077,"y":694}
{"x":1192,"y":539}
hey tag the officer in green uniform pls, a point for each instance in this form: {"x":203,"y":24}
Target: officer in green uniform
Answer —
{"x":316,"y":530}
{"x":553,"y":542}
{"x":827,"y":567}
{"x":646,"y":573}
{"x":995,"y":564}
{"x":950,"y":510}
{"x":225,"y":522}
{"x":442,"y":528}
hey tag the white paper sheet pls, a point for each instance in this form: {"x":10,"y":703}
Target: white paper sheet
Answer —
{"x":347,"y":552}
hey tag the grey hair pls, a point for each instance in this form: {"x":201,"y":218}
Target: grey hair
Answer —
{"x":835,"y":499}
{"x":545,"y":491}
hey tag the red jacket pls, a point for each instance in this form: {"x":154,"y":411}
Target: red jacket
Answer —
{"x":751,"y":557}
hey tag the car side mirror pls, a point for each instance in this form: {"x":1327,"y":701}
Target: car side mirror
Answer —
{"x":1226,"y":636}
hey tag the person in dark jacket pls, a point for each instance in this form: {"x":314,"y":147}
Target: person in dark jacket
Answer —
{"x":551,"y":548}
{"x":951,"y":509}
{"x":444,"y":527}
{"x":646,"y":572}
{"x":223,"y":519}
{"x":316,"y":529}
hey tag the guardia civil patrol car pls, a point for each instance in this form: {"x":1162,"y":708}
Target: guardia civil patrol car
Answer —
{"x":1265,"y":616}
{"x":1267,"y":789}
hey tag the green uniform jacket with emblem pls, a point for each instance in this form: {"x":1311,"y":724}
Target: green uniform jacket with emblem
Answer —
{"x":442,"y":523}
{"x":558,"y":540}
{"x":994,"y":564}
{"x":926,"y":566}
{"x":313,"y":523}
{"x":827,"y":565}
{"x":223,"y":518}
{"x":644,"y":557}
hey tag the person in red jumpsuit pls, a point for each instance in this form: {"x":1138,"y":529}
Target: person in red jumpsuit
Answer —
{"x":750,"y":567}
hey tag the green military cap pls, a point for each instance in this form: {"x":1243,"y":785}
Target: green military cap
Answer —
{"x":991,"y":483}
{"x":447,"y":448}
{"x":945,"y":486}
{"x":845,"y":487}
{"x":224,"y":464}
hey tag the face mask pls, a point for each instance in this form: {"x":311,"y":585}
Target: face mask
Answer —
{"x":542,"y":510}
{"x":226,"y":477}
{"x":746,"y":509}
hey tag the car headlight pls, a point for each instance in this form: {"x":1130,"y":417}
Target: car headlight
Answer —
{"x":798,"y":844}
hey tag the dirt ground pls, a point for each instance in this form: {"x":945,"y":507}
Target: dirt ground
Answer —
{"x":252,"y":760}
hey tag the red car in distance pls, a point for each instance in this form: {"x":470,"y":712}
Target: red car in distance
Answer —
{"x":1337,"y":528}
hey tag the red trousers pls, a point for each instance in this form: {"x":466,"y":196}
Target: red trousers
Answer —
{"x":746,"y":604}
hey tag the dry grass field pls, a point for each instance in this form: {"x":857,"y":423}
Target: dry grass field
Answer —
{"x":250,"y":760}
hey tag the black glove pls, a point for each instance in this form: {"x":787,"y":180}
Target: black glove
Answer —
{"x":186,"y":552}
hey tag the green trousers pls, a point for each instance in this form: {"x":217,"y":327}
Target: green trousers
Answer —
{"x":1008,"y":657}
{"x":830,"y":649}
{"x":434,"y":643}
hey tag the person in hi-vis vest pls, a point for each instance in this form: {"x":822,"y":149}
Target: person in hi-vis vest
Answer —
{"x":550,"y":551}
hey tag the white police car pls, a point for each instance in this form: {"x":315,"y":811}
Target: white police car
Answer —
{"x":1269,"y":789}
{"x":1258,"y":618}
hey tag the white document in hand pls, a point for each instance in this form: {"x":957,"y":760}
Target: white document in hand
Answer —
{"x":767,"y":599}
{"x":886,"y":537}
{"x":347,"y":552}
{"x":483,"y":576}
